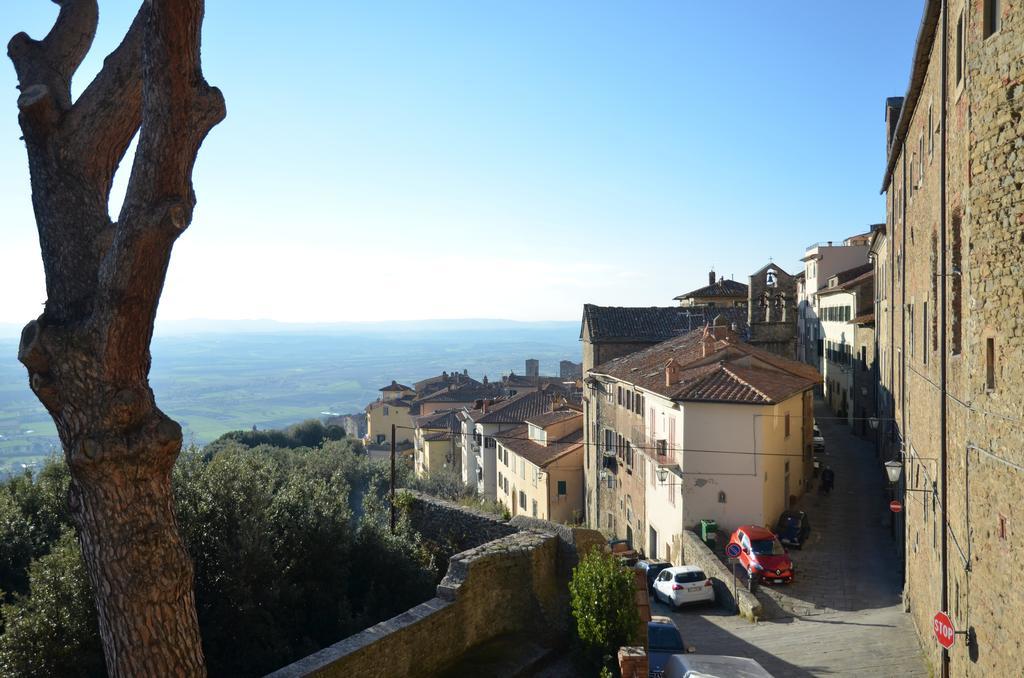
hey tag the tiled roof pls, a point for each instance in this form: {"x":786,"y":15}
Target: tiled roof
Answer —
{"x":462,"y":394}
{"x":652,"y":324}
{"x":395,"y":402}
{"x":395,"y":386}
{"x":540,"y":455}
{"x":519,"y":408}
{"x":721,"y":288}
{"x":865,"y":319}
{"x":438,"y":435}
{"x":549,"y":418}
{"x":447,"y":420}
{"x":728,"y":371}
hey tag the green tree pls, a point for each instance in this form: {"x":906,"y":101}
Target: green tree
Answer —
{"x":53,"y":631}
{"x":603,"y":605}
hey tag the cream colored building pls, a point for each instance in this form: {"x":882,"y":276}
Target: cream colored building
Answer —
{"x":436,"y":443}
{"x":540,"y":467}
{"x":381,"y":414}
{"x":725,"y":434}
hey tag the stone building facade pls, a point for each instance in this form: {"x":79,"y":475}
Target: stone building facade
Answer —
{"x":771,"y":311}
{"x":954,"y":345}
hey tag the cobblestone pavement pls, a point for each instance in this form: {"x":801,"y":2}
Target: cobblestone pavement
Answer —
{"x":843,"y":614}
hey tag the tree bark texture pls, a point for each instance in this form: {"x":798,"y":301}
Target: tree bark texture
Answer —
{"x":88,"y":355}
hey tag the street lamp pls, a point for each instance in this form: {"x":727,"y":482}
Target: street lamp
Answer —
{"x":893,"y":469}
{"x":873,"y":421}
{"x":662,"y":474}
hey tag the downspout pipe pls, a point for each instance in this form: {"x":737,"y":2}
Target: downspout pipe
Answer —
{"x":943,"y":423}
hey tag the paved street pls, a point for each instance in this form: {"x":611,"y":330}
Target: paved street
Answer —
{"x":842,"y":615}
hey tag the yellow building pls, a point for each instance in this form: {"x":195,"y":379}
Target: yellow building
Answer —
{"x":437,"y":438}
{"x":381,"y":414}
{"x":540,"y":467}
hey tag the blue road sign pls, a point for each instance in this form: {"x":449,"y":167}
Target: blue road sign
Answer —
{"x":732,"y":550}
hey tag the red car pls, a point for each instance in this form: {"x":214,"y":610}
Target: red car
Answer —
{"x":762,"y":555}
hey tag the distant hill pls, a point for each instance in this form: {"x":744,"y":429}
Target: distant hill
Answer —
{"x":213,"y":381}
{"x":202,"y":326}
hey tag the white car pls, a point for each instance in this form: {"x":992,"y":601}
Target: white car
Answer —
{"x":683,"y":584}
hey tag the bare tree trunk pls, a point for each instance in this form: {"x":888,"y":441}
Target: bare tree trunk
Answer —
{"x":87,"y":355}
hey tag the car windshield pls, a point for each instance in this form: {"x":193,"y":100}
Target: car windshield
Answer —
{"x":664,"y":637}
{"x":689,"y":577}
{"x":767,"y":547}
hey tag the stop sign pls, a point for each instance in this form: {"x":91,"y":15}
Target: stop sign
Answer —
{"x":895,"y":506}
{"x":943,"y":628}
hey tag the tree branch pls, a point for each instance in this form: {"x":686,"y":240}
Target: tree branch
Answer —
{"x":103,"y":120}
{"x":53,"y":60}
{"x":179,"y":109}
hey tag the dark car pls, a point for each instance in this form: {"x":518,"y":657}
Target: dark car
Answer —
{"x":663,"y":641}
{"x":652,"y":568}
{"x":793,"y":528}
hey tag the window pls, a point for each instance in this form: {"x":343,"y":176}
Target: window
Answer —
{"x":1003,"y":528}
{"x":534,"y":508}
{"x":488,"y":442}
{"x":924,"y":333}
{"x":501,"y":482}
{"x":562,"y":489}
{"x":385,"y":410}
{"x":920,"y":159}
{"x":990,"y":364}
{"x":991,"y":18}
{"x":956,"y":246}
{"x":959,"y":68}
{"x":522,"y":500}
{"x":931,"y":137}
{"x":522,"y":469}
{"x":910,"y":325}
{"x":787,"y":426}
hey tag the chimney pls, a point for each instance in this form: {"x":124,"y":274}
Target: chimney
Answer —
{"x":893,"y":107}
{"x":465,"y":372}
{"x":672,"y":370}
{"x":486,"y":404}
{"x":711,"y":277}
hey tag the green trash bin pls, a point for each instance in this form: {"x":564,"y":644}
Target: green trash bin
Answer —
{"x":709,"y":532}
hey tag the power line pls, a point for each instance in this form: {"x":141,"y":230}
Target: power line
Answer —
{"x":636,"y":447}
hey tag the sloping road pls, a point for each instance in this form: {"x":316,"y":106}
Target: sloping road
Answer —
{"x":843,"y":615}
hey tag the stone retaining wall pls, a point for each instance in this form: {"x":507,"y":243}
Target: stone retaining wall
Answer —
{"x":444,"y":522}
{"x":695,"y":552}
{"x":516,"y":583}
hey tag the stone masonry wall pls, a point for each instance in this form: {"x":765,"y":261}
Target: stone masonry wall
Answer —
{"x":984,"y":432}
{"x":695,"y":552}
{"x":447,"y":523}
{"x":516,"y":582}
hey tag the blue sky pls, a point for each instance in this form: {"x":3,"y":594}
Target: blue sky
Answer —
{"x":505,"y":160}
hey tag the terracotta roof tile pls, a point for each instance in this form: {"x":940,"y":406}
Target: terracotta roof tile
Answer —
{"x":654,"y":323}
{"x":540,"y":455}
{"x":712,"y":370}
{"x":721,"y":288}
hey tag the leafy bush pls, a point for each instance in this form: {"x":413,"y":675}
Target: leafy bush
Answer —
{"x":602,"y":597}
{"x":52,"y":631}
{"x":309,"y":433}
{"x":290,"y":547}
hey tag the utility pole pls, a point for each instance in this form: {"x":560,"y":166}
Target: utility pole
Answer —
{"x":943,"y":423}
{"x":392,"y":479}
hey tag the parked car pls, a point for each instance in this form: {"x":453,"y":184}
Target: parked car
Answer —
{"x":793,"y":528}
{"x":663,"y":641}
{"x":712,"y":666}
{"x":652,"y":568}
{"x":818,"y":441}
{"x":683,"y":584}
{"x":762,"y":555}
